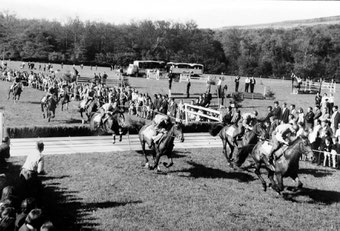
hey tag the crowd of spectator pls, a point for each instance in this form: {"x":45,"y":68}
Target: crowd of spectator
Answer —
{"x":20,"y":203}
{"x":321,"y":123}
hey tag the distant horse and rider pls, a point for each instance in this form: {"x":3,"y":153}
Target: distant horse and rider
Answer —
{"x":16,"y":90}
{"x":48,"y":106}
{"x":160,"y":136}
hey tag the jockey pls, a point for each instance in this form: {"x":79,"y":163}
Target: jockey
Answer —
{"x":279,"y":138}
{"x":247,"y":119}
{"x":160,"y":123}
{"x":107,"y":109}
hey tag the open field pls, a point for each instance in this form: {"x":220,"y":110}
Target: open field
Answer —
{"x":111,"y":191}
{"x":27,"y":111}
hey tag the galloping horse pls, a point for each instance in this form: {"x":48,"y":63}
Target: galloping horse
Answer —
{"x":286,"y":165}
{"x":229,"y":133}
{"x":16,"y":91}
{"x":89,"y":109}
{"x":48,"y":107}
{"x":65,"y":99}
{"x":113,"y":124}
{"x":163,"y":147}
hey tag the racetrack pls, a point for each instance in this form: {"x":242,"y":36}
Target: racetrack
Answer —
{"x":94,"y":144}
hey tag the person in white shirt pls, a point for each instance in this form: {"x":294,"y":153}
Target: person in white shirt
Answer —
{"x":30,"y":184}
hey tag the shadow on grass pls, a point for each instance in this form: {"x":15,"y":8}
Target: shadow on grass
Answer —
{"x":201,"y":171}
{"x":175,"y":154}
{"x":73,"y":121}
{"x":32,"y":102}
{"x":68,"y":211}
{"x":313,"y":196}
{"x":62,"y":206}
{"x":316,"y":172}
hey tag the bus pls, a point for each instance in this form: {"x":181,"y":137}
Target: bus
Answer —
{"x":177,"y":69}
{"x":140,"y":67}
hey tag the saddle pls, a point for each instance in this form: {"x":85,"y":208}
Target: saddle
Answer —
{"x":267,"y":146}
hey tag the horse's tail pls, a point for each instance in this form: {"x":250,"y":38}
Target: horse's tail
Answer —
{"x":215,"y":129}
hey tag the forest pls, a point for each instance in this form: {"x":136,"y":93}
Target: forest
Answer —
{"x":306,"y":51}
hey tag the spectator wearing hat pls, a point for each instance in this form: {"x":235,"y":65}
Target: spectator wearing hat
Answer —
{"x":4,"y":153}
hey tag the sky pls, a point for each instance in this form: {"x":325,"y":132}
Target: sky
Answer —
{"x":206,"y":13}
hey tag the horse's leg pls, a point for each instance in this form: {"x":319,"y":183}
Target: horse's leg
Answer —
{"x":120,"y":134}
{"x":258,"y":173}
{"x":224,"y":142}
{"x":147,"y":165}
{"x":113,"y":138}
{"x":156,"y":161}
{"x":279,"y":179}
{"x":299,"y":184}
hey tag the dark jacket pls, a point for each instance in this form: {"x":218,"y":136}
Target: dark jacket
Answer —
{"x":309,"y":117}
{"x":277,"y":112}
{"x":285,"y":115}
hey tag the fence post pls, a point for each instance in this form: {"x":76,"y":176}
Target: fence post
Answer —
{"x":186,"y":113}
{"x":2,"y":125}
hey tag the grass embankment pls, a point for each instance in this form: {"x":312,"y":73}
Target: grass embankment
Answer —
{"x":111,"y":191}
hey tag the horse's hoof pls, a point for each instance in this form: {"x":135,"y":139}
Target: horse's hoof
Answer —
{"x":167,"y":165}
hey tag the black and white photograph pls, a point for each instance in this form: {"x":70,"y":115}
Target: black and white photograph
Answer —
{"x":169,"y":115}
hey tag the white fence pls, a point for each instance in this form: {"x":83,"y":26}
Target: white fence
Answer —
{"x":310,"y":86}
{"x":202,"y":112}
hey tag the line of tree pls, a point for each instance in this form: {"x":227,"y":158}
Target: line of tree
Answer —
{"x":307,"y":51}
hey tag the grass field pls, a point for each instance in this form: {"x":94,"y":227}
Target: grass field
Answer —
{"x":27,"y":111}
{"x":111,"y":191}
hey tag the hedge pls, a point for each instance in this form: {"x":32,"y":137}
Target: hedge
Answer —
{"x":84,"y":130}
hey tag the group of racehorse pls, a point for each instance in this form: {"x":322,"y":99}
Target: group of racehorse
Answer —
{"x":255,"y":143}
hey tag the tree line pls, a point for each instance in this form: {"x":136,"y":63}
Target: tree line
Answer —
{"x":306,"y":51}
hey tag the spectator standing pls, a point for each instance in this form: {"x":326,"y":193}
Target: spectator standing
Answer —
{"x":188,"y":88}
{"x":4,"y":153}
{"x":170,"y":80}
{"x":172,"y":108}
{"x":301,"y":116}
{"x":33,"y":166}
{"x":335,"y":119}
{"x":318,"y":99}
{"x":219,"y":87}
{"x":252,"y":84}
{"x":336,"y":151}
{"x":317,"y":113}
{"x":327,"y":148}
{"x":269,"y":113}
{"x":237,"y":83}
{"x":309,"y":118}
{"x":330,"y":102}
{"x":246,"y":86}
{"x":277,"y":111}
{"x":285,"y":113}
